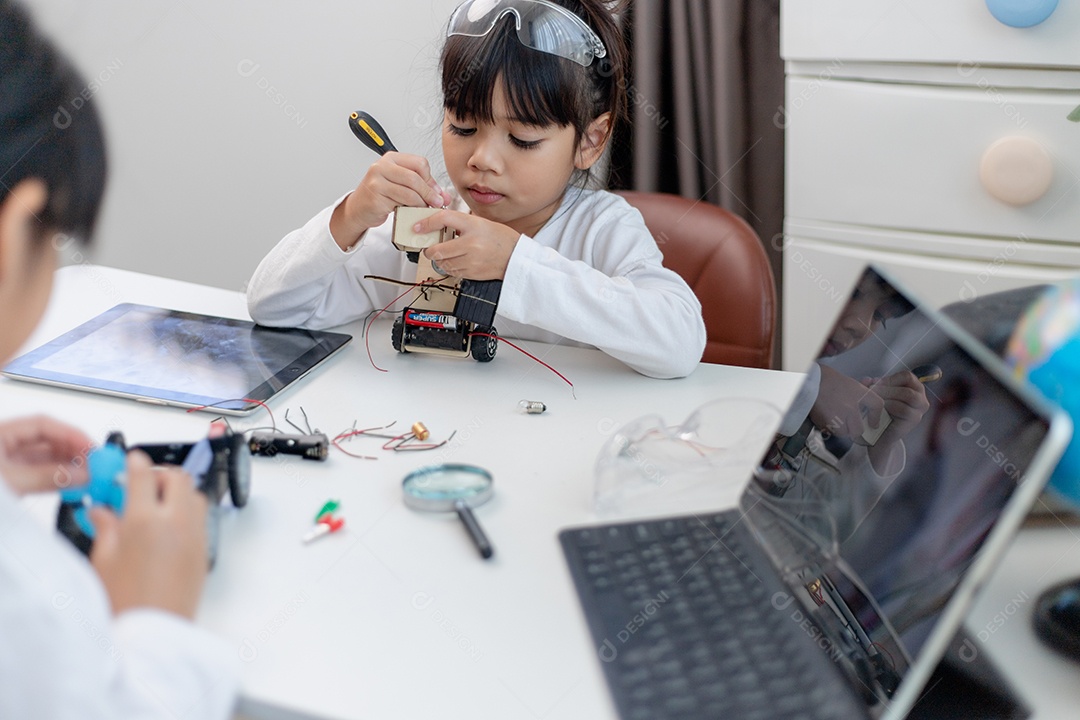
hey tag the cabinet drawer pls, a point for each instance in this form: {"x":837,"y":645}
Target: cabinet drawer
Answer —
{"x":818,"y":277}
{"x":928,"y":31}
{"x":909,"y":157}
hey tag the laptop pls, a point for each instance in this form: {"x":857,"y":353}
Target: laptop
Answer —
{"x":898,"y":476}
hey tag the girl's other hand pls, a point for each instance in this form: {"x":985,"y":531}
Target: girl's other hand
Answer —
{"x":156,"y":554}
{"x":905,"y":401}
{"x":392,"y":180}
{"x":481,"y":250}
{"x":39,"y":454}
{"x":844,"y":405}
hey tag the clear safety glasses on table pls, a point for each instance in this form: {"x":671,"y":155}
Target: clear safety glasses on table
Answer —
{"x":540,"y":25}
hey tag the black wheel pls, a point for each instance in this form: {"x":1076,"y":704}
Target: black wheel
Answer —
{"x":483,"y":348}
{"x":239,"y":470}
{"x":397,"y":335}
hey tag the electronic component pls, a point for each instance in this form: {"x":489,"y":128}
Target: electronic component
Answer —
{"x":325,"y":522}
{"x":313,"y":446}
{"x":325,"y":526}
{"x":413,"y":243}
{"x":219,"y":464}
{"x":446,"y":315}
{"x":532,"y":407}
{"x":431,"y":319}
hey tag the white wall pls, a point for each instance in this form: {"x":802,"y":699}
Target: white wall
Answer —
{"x":227,"y":121}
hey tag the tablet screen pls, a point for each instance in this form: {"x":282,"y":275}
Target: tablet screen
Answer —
{"x":178,"y":358}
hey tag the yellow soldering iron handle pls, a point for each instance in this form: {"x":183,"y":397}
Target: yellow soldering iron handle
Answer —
{"x":370,"y":132}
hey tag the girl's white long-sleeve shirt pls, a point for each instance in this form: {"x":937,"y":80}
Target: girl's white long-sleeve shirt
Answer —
{"x":64,"y":656}
{"x":591,"y":276}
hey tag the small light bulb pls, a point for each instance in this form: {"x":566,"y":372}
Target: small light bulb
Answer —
{"x":532,"y":407}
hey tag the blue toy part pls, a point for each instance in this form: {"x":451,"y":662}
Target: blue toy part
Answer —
{"x":106,"y":466}
{"x":82,"y":517}
{"x":1021,"y":13}
{"x":73,"y":495}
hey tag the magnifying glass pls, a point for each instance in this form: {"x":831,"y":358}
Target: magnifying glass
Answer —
{"x":458,"y":488}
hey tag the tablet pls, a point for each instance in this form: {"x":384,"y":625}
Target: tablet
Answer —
{"x":182,"y":359}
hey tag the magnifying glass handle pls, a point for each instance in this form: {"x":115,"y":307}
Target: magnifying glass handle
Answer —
{"x":475,"y":531}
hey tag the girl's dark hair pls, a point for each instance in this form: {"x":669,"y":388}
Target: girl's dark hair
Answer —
{"x":895,"y":304}
{"x":541,"y":88}
{"x":48,"y":128}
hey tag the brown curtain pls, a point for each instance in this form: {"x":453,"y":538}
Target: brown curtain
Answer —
{"x":707,"y":84}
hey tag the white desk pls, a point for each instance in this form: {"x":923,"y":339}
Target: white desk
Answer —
{"x":397,"y":616}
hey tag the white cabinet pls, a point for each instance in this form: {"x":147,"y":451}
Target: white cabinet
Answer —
{"x":932,"y":139}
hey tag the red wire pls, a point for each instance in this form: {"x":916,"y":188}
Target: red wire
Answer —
{"x":404,"y":443}
{"x":367,"y":332}
{"x":260,"y":403}
{"x":526,"y":352}
{"x":398,"y":439}
{"x":398,"y":443}
{"x":431,"y":281}
{"x":346,"y":435}
{"x":892,"y":663}
{"x":424,"y":323}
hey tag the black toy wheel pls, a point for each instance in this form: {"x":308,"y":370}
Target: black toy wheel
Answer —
{"x":70,"y":528}
{"x":397,"y":335}
{"x":483,"y":347}
{"x":239,"y":470}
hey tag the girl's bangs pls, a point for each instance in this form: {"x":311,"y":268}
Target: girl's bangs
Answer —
{"x":533,"y":81}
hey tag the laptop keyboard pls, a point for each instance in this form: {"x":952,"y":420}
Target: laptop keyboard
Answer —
{"x":684,"y":628}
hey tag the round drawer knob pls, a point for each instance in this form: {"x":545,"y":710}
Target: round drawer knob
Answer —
{"x":1016,"y":170}
{"x":1021,"y":13}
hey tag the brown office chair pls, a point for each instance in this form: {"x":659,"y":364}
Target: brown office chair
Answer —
{"x":722,"y":260}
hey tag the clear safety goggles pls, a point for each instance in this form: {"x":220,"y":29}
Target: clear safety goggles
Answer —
{"x":540,"y":25}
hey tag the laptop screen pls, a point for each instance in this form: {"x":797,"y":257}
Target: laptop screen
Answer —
{"x":891,"y":469}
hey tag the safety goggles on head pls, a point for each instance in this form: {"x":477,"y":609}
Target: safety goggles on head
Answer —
{"x":541,"y":25}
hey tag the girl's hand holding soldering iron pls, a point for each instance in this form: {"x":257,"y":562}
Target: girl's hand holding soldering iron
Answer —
{"x":392,"y":180}
{"x":481,"y":250}
{"x":905,"y":401}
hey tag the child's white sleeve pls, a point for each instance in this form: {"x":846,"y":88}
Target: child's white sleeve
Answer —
{"x":611,"y":292}
{"x":65,"y":656}
{"x":308,"y":281}
{"x":172,"y":668}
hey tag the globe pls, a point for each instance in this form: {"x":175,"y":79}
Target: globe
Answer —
{"x":1045,"y":349}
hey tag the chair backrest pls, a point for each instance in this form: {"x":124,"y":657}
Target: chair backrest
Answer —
{"x":723,"y":261}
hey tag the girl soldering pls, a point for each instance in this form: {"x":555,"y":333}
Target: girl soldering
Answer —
{"x":532,"y":90}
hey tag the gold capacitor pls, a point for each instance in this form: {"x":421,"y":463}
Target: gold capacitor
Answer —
{"x":420,"y":431}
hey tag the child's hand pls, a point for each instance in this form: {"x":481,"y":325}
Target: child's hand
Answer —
{"x":481,"y":251}
{"x":394,"y":179}
{"x":38,"y":454}
{"x":844,"y":405}
{"x":155,"y":555}
{"x":905,"y":401}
